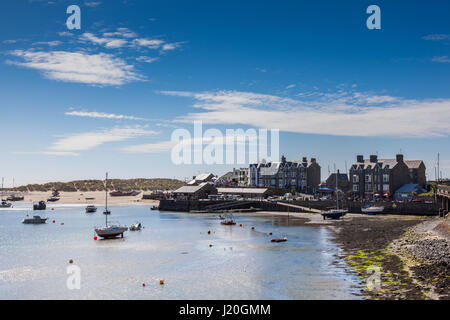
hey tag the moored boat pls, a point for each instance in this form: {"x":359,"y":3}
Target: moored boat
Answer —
{"x":5,"y":204}
{"x":39,"y":206}
{"x":91,"y":208}
{"x":279,"y":240}
{"x":34,"y":220}
{"x":112,"y":230}
{"x":53,"y":199}
{"x":137,"y":226}
{"x":372,"y":209}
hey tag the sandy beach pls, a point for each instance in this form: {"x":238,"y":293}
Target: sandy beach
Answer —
{"x":91,"y":197}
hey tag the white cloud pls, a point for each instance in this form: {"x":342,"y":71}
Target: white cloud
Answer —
{"x":93,"y":69}
{"x":121,"y":32}
{"x":441,"y":59}
{"x":49,"y":43}
{"x":290,"y":86}
{"x":147,"y":59}
{"x":101,"y":115}
{"x":148,"y":43}
{"x":90,"y":140}
{"x":171,"y":46}
{"x":343,"y":113}
{"x":107,"y":42}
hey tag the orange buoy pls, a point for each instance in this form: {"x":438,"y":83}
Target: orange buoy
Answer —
{"x":240,"y":225}
{"x":95,"y":238}
{"x":210,"y":245}
{"x":253,"y":228}
{"x":70,"y":261}
{"x":143,"y":284}
{"x":53,"y":221}
{"x":270,"y":233}
{"x":161,"y":282}
{"x":209,"y":231}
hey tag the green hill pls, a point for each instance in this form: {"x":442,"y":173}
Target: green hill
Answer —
{"x":99,"y":185}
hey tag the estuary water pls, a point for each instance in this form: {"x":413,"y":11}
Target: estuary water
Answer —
{"x":241,"y":263}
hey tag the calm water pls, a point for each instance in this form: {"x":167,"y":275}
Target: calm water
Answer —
{"x":242,"y":264}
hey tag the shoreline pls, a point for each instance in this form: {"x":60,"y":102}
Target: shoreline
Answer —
{"x":412,"y":252}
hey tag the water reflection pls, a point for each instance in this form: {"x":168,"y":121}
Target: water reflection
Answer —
{"x":241,"y":263}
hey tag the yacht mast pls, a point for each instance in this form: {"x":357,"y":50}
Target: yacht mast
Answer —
{"x":106,"y":200}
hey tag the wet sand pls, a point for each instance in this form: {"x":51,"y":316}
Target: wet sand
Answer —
{"x":91,"y":197}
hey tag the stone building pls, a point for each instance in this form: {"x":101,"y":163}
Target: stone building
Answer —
{"x":384,"y":176}
{"x":343,"y":183}
{"x":303,"y":176}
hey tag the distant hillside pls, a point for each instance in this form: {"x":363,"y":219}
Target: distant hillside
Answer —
{"x":99,"y":185}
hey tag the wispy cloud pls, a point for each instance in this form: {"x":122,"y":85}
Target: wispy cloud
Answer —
{"x":90,"y":140}
{"x":48,"y":43}
{"x":50,"y":153}
{"x":94,"y":69}
{"x":121,"y":32}
{"x":441,"y":59}
{"x":147,"y":59}
{"x":342,"y":113}
{"x":101,"y":115}
{"x":92,"y":4}
{"x":148,"y":43}
{"x":436,"y":37}
{"x":110,"y":43}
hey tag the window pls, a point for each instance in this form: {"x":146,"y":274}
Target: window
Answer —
{"x":368,"y":178}
{"x":355,"y":188}
{"x":355,"y":178}
{"x":385,"y":178}
{"x":385,"y":187}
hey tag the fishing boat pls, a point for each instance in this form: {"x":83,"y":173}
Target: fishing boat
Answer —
{"x":53,"y":199}
{"x":372,"y":209}
{"x":39,"y":206}
{"x":109,"y":230}
{"x":91,"y":208}
{"x":334,"y":213}
{"x":34,"y":220}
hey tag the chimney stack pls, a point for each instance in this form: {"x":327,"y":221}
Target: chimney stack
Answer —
{"x":373,"y":158}
{"x":399,"y":158}
{"x":313,"y":160}
{"x":304,"y":159}
{"x":359,"y":158}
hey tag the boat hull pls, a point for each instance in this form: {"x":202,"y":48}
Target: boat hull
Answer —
{"x":111,"y":231}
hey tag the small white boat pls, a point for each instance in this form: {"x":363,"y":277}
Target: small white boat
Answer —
{"x":136,"y":226}
{"x":372,"y":209}
{"x":34,"y":220}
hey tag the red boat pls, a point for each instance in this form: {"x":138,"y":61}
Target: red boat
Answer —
{"x":279,"y":240}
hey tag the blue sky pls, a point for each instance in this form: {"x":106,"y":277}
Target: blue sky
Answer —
{"x":77,"y":103}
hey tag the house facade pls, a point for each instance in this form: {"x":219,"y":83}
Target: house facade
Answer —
{"x":303,"y":176}
{"x":384,"y":176}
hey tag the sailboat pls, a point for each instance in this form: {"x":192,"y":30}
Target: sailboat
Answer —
{"x":109,"y":231}
{"x":335,"y":213}
{"x":4,"y":203}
